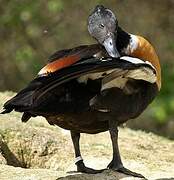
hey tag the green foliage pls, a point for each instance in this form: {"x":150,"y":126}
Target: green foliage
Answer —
{"x":55,"y":6}
{"x":24,"y":53}
{"x":164,"y":105}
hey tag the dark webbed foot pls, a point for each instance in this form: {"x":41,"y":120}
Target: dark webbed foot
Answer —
{"x":131,"y":173}
{"x":82,"y":168}
{"x":121,"y":169}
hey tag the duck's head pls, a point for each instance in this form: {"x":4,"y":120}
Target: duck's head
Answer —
{"x":102,"y":25}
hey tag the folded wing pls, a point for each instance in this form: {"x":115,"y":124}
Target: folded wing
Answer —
{"x":47,"y":87}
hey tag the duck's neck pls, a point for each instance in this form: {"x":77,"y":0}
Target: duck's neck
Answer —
{"x":123,"y":40}
{"x":138,"y":47}
{"x":126,"y":43}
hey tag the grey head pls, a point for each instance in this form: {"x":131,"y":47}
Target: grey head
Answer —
{"x":102,"y":25}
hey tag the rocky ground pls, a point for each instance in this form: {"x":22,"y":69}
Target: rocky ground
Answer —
{"x":35,"y":151}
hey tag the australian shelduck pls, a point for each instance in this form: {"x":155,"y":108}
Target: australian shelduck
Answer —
{"x":94,"y":88}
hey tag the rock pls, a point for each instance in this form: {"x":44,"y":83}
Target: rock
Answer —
{"x":106,"y":175}
{"x":38,"y":147}
{"x":15,"y":173}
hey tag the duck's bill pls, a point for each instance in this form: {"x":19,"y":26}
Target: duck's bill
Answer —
{"x":110,"y":46}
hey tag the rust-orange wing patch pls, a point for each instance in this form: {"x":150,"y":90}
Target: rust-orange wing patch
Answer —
{"x":59,"y":64}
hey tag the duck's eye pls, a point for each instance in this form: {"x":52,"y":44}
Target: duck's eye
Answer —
{"x":101,"y":26}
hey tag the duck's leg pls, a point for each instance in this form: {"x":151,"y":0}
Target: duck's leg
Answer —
{"x":116,"y":163}
{"x":79,"y":161}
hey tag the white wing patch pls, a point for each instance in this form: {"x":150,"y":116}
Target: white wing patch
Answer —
{"x":136,"y":61}
{"x":118,"y":77}
{"x":143,"y":73}
{"x":117,"y":82}
{"x":93,"y":76}
{"x":132,"y":60}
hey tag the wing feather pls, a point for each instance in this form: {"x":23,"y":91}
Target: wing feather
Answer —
{"x":64,"y":58}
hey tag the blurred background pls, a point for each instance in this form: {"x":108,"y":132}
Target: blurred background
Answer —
{"x":31,"y":30}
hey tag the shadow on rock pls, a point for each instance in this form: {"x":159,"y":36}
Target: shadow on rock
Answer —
{"x":9,"y":156}
{"x":107,"y":174}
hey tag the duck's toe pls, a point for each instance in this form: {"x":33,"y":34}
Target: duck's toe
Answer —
{"x":129,"y":172}
{"x":82,"y":168}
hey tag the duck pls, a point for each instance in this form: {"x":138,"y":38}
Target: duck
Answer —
{"x":94,"y":88}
